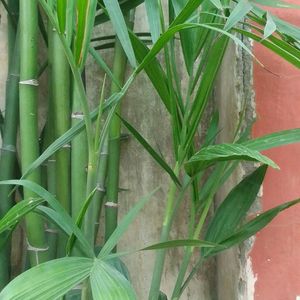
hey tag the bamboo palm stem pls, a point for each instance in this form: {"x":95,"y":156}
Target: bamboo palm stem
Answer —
{"x":111,"y":211}
{"x":79,"y":158}
{"x":37,"y":245}
{"x":161,"y":254}
{"x":60,"y":78}
{"x":8,"y":150}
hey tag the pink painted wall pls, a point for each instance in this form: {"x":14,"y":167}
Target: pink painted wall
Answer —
{"x":276,"y":252}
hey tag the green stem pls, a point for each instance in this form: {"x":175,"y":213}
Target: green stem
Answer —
{"x":111,"y":206}
{"x":37,"y":245}
{"x":161,"y":254}
{"x":60,"y":79}
{"x":8,"y":151}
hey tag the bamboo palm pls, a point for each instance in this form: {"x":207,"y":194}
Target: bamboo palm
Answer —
{"x":8,"y":150}
{"x":37,"y":245}
{"x":61,"y":116}
{"x":78,"y":158}
{"x":111,"y":205}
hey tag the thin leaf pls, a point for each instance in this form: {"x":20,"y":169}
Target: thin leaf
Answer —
{"x":123,"y":225}
{"x":49,"y":280}
{"x":276,"y":3}
{"x":79,"y":220}
{"x":151,"y":151}
{"x":252,"y":227}
{"x":153,"y":70}
{"x":153,"y":15}
{"x":238,"y":14}
{"x":234,"y":208}
{"x":270,"y":27}
{"x":13,"y":216}
{"x":41,"y":192}
{"x":125,"y":6}
{"x":180,"y":243}
{"x":120,"y":27}
{"x":108,"y":283}
{"x":86,"y":11}
{"x":61,"y":14}
{"x":209,"y":155}
{"x":273,"y":140}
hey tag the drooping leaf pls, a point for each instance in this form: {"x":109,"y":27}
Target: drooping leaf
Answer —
{"x":109,"y":284}
{"x":153,"y":70}
{"x":252,"y":227}
{"x":180,"y":243}
{"x":18,"y":211}
{"x":120,"y":27}
{"x":125,"y":6}
{"x":209,"y":155}
{"x":151,"y":151}
{"x":49,"y":280}
{"x":86,"y":11}
{"x":153,"y":15}
{"x":270,"y":27}
{"x":238,"y":13}
{"x":234,"y":208}
{"x":276,"y":3}
{"x":48,"y":197}
{"x":123,"y":225}
{"x":273,"y":140}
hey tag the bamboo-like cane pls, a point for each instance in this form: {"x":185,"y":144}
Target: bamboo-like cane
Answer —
{"x":60,"y":78}
{"x":11,"y":121}
{"x":37,"y":245}
{"x":111,"y":205}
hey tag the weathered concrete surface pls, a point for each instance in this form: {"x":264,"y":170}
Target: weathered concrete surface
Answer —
{"x":235,"y":278}
{"x":139,"y":174}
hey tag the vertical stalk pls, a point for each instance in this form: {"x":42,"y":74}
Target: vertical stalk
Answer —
{"x":60,"y":78}
{"x":8,"y":149}
{"x":79,"y":158}
{"x":161,"y":254}
{"x":111,"y":206}
{"x":37,"y":246}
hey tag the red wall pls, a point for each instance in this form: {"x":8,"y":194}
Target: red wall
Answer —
{"x":276,"y":252}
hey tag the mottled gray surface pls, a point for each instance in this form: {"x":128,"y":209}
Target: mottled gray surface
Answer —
{"x":234,"y":86}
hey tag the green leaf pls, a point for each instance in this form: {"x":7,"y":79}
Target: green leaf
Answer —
{"x":13,"y":216}
{"x":238,"y":14}
{"x":123,"y":225}
{"x":252,"y":227}
{"x":86,"y":11}
{"x":125,"y":6}
{"x":41,"y":192}
{"x":49,"y":280}
{"x":276,"y":3}
{"x":209,"y":155}
{"x":153,"y":15}
{"x":120,"y":27}
{"x":270,"y":27}
{"x":162,"y":296}
{"x":180,"y":243}
{"x":61,"y":14}
{"x":79,"y":220}
{"x":109,"y":284}
{"x":153,"y":70}
{"x":151,"y":151}
{"x":234,"y":208}
{"x":120,"y":266}
{"x":217,"y":4}
{"x":273,"y":140}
